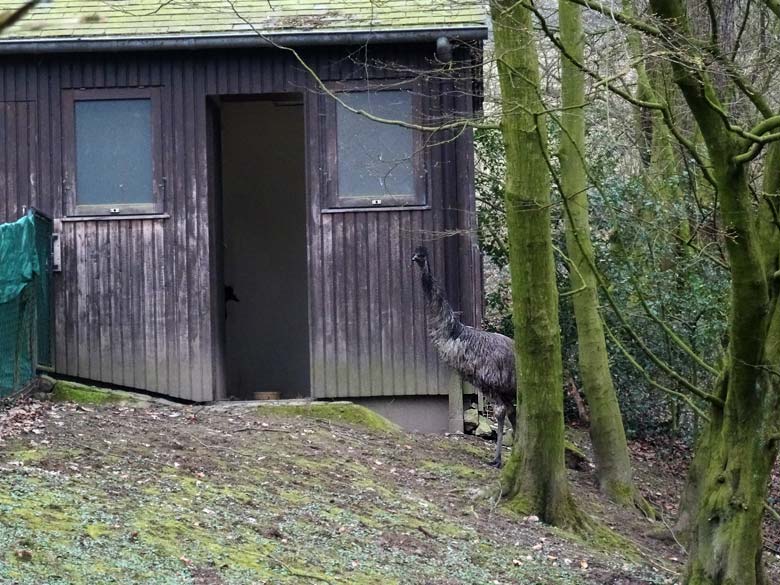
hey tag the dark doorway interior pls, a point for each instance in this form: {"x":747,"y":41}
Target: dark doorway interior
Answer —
{"x":264,"y":246}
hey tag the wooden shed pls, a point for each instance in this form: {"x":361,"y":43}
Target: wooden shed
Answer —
{"x":223,"y":225}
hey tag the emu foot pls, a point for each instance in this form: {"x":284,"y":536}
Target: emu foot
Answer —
{"x":495,"y":463}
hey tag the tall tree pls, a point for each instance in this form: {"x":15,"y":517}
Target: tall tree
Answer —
{"x":613,"y":466}
{"x":534,"y":479}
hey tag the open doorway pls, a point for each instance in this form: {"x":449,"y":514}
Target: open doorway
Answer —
{"x":264,"y":250}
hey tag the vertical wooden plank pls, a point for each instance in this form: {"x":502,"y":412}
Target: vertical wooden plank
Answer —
{"x":132,"y":69}
{"x":205,"y":312}
{"x":351,"y":302}
{"x":364,"y":319}
{"x":170,"y":232}
{"x":143,"y":374}
{"x":328,"y":316}
{"x":91,"y":300}
{"x":82,"y":291}
{"x":110,"y":73}
{"x":405,"y":294}
{"x":373,"y":282}
{"x":22,"y":158}
{"x":43,"y":146}
{"x":22,"y":144}
{"x":10,"y":81}
{"x":417,"y":310}
{"x":314,"y":241}
{"x":155,"y":72}
{"x":11,"y":161}
{"x":30,"y":84}
{"x":87,"y":72}
{"x":161,"y":351}
{"x":55,"y":151}
{"x":341,"y":330}
{"x":5,"y":194}
{"x":387,"y":311}
{"x":430,"y":359}
{"x":396,"y":294}
{"x":113,"y":281}
{"x":127,"y":318}
{"x":216,"y":239}
{"x":266,"y":77}
{"x":146,"y":277}
{"x":190,"y":241}
{"x":181,"y":286}
{"x":69,"y":281}
{"x":103,"y":292}
{"x":211,"y":76}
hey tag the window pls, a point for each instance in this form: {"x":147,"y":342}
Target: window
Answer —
{"x":114,"y":162}
{"x":375,"y":164}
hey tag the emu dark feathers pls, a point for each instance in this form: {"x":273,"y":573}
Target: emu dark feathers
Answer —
{"x":484,"y":359}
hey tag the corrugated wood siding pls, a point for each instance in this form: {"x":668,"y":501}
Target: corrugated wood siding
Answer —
{"x":369,"y":331}
{"x":134,"y":303}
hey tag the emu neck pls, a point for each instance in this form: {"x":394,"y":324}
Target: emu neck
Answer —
{"x":442,"y":320}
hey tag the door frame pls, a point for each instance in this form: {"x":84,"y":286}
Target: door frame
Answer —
{"x":215,"y":203}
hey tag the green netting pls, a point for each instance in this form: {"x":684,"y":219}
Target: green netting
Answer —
{"x":21,"y":258}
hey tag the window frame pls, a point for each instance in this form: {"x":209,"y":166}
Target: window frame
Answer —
{"x":69,"y":99}
{"x":420,"y":154}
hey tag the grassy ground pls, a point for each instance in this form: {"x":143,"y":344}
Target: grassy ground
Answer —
{"x":148,"y":493}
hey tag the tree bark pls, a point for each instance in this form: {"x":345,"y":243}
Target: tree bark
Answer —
{"x":534,"y":479}
{"x":613,"y":466}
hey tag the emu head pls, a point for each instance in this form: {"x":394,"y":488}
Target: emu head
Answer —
{"x":420,"y":256}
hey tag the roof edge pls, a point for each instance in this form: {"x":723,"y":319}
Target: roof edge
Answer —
{"x":235,"y":41}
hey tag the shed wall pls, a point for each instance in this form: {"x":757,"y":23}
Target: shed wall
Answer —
{"x":135,"y":304}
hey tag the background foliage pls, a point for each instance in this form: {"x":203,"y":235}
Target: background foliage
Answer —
{"x":640,"y":258}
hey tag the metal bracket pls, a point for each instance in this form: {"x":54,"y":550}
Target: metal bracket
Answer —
{"x":56,"y":253}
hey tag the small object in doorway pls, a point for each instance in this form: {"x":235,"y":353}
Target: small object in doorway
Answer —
{"x":230,"y":295}
{"x":268,"y":395}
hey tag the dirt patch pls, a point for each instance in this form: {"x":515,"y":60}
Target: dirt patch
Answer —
{"x":168,"y":494}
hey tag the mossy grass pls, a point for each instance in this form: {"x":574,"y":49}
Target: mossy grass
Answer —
{"x":340,"y":412}
{"x":65,"y":391}
{"x":456,"y":470}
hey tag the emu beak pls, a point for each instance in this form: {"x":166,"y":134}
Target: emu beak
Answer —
{"x":414,"y":258}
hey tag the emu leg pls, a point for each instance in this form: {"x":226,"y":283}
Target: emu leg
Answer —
{"x":512,"y":413}
{"x":500,"y":416}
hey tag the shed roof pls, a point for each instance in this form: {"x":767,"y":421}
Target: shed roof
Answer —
{"x":85,"y":20}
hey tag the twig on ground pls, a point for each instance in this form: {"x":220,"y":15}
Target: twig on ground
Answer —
{"x":674,"y":536}
{"x":426,"y":532}
{"x":263,"y":429}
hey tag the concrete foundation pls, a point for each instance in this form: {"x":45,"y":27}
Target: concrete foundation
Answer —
{"x":423,"y":414}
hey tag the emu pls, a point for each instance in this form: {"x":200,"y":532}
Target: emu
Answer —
{"x":485,"y":360}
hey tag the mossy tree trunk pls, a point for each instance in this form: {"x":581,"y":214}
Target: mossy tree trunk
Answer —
{"x":534,"y":479}
{"x":741,"y":441}
{"x":613,"y":466}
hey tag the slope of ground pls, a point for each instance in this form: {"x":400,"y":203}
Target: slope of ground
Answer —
{"x":168,"y":494}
